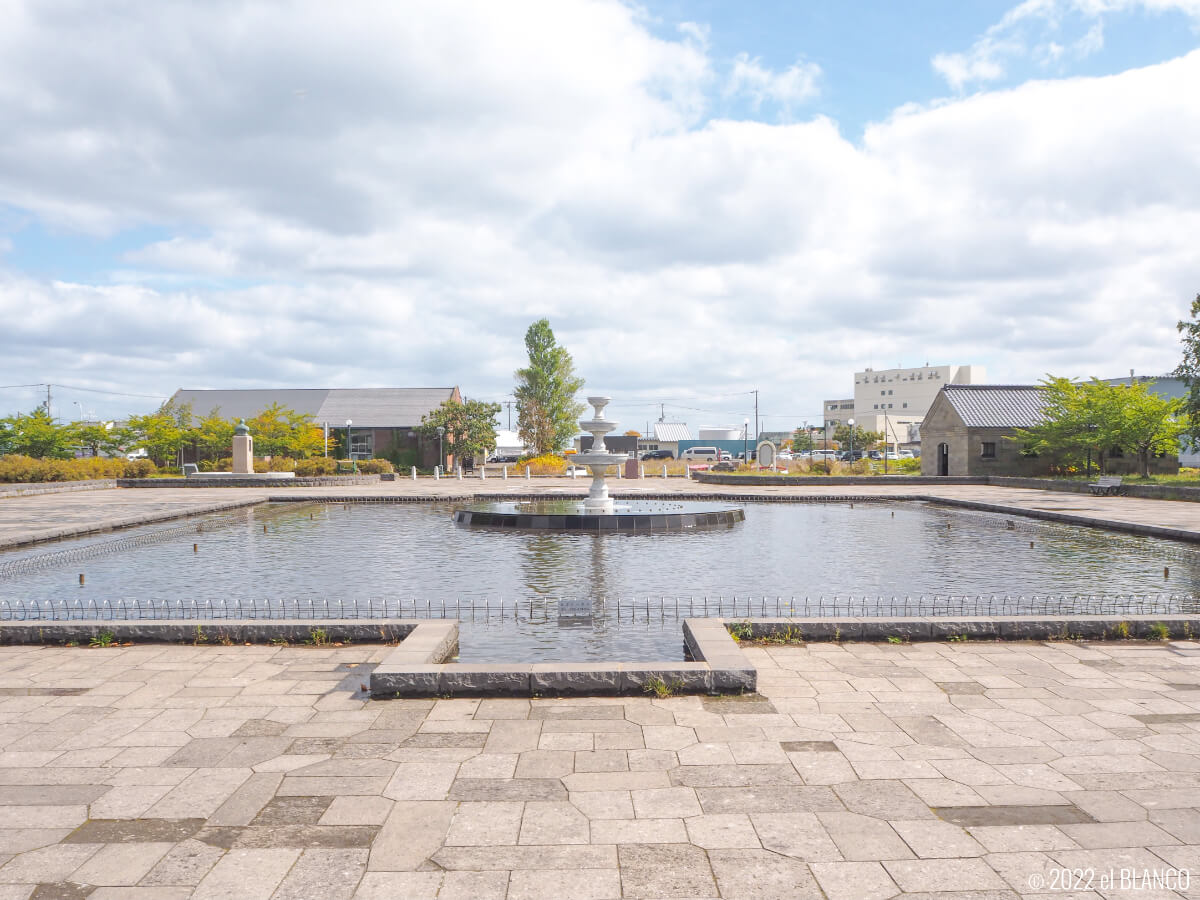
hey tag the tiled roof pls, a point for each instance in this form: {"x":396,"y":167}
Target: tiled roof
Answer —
{"x":671,"y":431}
{"x":996,"y":405}
{"x":367,"y":407}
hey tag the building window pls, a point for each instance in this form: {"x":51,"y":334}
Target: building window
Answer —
{"x":883,"y":393}
{"x":989,"y":450}
{"x":904,"y":406}
{"x":362,"y":444}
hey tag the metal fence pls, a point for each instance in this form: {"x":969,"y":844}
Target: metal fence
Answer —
{"x":618,"y":609}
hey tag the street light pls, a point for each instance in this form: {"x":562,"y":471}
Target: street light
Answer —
{"x":850,"y":422}
{"x":441,"y":430}
{"x":745,"y":435}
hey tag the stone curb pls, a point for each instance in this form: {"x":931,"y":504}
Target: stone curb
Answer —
{"x":207,"y":631}
{"x":29,"y":488}
{"x":130,"y":522}
{"x":1003,"y":628}
{"x":417,"y":669}
{"x":201,"y":482}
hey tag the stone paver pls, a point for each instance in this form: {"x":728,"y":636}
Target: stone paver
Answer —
{"x":283,"y":785}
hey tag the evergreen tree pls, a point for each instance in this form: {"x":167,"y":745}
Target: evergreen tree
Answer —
{"x":547,"y":411}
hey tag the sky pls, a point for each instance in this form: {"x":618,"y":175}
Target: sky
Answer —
{"x":705,"y":199}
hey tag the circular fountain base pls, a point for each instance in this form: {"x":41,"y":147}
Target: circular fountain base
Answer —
{"x":628,"y":516}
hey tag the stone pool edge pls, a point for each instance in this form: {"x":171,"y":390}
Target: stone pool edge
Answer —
{"x":417,"y":669}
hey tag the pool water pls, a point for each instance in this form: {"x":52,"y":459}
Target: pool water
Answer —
{"x":533,"y":595}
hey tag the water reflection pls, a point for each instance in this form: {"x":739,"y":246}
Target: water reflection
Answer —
{"x":415,"y":552}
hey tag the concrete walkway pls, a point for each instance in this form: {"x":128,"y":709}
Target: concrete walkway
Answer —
{"x":862,"y":771}
{"x":28,"y":519}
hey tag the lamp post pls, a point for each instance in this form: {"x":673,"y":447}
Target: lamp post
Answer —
{"x":441,"y":430}
{"x":349,"y":454}
{"x":885,"y":442}
{"x":745,"y":437}
{"x":850,"y":422}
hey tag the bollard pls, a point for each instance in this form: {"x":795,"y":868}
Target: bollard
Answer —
{"x":195,"y":548}
{"x":893,"y":514}
{"x":1166,"y":573}
{"x":574,"y":472}
{"x":527,"y":473}
{"x":641,"y":471}
{"x":414,"y":473}
{"x":664,"y":470}
{"x":81,"y":579}
{"x":310,"y":517}
{"x":265,"y":527}
{"x":437,"y":473}
{"x":1031,"y":545}
{"x":506,"y":473}
{"x":483,"y":473}
{"x":460,"y":473}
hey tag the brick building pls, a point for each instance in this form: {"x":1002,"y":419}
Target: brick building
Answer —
{"x":383,"y":420}
{"x":970,"y":429}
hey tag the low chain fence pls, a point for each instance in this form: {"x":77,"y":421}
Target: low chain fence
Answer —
{"x":617,"y":609}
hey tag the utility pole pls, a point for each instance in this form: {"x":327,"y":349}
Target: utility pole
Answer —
{"x":48,"y":398}
{"x":509,"y":404}
{"x":756,"y":418}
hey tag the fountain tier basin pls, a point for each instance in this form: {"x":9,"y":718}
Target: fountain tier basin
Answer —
{"x":634,"y":516}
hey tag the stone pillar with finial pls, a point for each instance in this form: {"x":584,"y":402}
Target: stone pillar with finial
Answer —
{"x":243,"y":450}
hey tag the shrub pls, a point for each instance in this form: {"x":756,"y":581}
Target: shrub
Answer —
{"x":375,"y":466}
{"x":546,"y":464}
{"x":17,"y":468}
{"x":281,"y":464}
{"x":317,"y":465}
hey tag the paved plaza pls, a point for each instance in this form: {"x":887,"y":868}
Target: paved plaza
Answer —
{"x":860,"y":771}
{"x":976,"y":770}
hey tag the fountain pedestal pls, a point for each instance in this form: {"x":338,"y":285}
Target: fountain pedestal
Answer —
{"x":598,"y":459}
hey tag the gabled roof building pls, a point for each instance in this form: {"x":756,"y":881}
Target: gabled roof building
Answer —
{"x":971,"y":429}
{"x":384,"y":420}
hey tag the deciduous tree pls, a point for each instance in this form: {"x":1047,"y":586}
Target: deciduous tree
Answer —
{"x":470,"y":427}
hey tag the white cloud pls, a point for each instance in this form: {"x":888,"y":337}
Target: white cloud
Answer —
{"x":453,"y":172}
{"x":1030,"y":30}
{"x":789,"y":88}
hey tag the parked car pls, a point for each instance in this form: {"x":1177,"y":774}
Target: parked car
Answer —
{"x":658,"y":454}
{"x":785,"y":456}
{"x":504,"y":458}
{"x":725,"y":466}
{"x":703,"y":453}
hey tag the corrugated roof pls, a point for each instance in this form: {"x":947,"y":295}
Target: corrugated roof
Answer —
{"x":996,"y":405}
{"x":671,"y":431}
{"x":367,"y":407}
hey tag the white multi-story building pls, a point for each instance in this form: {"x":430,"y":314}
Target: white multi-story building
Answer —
{"x":894,"y":401}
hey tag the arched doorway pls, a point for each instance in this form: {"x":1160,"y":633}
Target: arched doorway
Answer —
{"x":943,"y":459}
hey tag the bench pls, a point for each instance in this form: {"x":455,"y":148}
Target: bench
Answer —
{"x":1106,"y":485}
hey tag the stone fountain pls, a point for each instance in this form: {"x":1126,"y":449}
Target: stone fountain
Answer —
{"x":598,"y":458}
{"x":598,"y":513}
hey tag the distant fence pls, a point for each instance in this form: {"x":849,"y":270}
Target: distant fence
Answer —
{"x":621,"y":610}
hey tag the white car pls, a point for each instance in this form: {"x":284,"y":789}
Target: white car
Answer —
{"x":784,"y":455}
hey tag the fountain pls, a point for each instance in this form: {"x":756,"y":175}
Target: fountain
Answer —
{"x":598,"y":512}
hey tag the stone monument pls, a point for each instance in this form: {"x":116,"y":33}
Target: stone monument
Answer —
{"x":243,"y":450}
